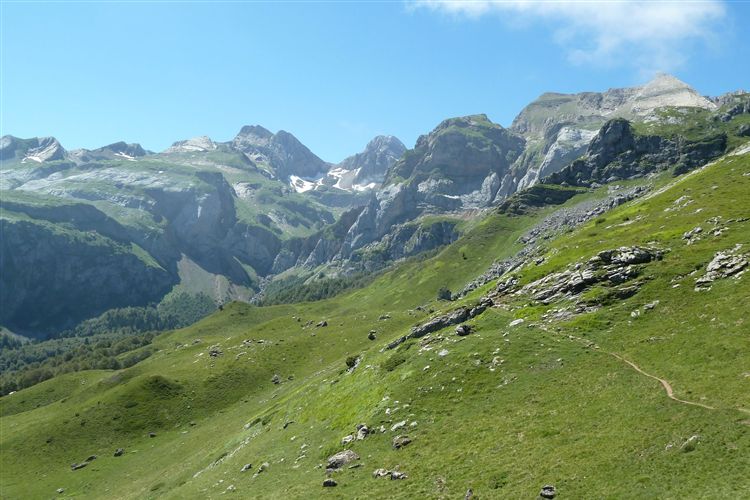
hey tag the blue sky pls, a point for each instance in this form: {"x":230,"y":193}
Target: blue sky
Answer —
{"x":336,"y":74}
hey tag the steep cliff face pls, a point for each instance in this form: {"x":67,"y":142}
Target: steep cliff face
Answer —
{"x":458,"y":155}
{"x":456,"y":166}
{"x":618,"y":153}
{"x":559,"y":127}
{"x":50,"y":279}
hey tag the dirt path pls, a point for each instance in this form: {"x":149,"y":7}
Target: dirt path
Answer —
{"x":664,"y":383}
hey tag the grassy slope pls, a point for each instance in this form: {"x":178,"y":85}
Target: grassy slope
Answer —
{"x":553,"y":411}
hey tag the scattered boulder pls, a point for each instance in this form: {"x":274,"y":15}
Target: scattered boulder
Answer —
{"x":725,"y":264}
{"x":401,"y":441}
{"x":651,"y":305}
{"x":78,"y":466}
{"x":347,"y":439}
{"x":246,"y":467}
{"x":463,"y":330}
{"x":263,"y":467}
{"x":693,"y":235}
{"x":152,"y":434}
{"x":362,"y":431}
{"x":690,"y":444}
{"x":329,"y":483}
{"x":398,"y":425}
{"x":548,"y":491}
{"x":276,"y":379}
{"x":469,"y":494}
{"x":341,"y":459}
{"x":119,"y":452}
{"x":215,"y":351}
{"x":392,"y":474}
{"x":516,"y":322}
{"x":371,"y":335}
{"x":60,"y":491}
{"x":322,"y":324}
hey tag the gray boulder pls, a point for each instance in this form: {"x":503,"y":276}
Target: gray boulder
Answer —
{"x":548,"y":491}
{"x":341,"y":459}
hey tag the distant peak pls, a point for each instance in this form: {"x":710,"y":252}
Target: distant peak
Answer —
{"x":478,"y":120}
{"x":196,"y":144}
{"x":380,"y":141}
{"x":122,"y":147}
{"x":666,"y":80}
{"x":255,"y":130}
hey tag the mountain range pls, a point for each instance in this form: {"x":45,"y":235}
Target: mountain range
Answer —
{"x":85,"y":231}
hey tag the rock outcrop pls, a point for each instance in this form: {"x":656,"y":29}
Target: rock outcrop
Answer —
{"x":559,"y":127}
{"x":618,"y":153}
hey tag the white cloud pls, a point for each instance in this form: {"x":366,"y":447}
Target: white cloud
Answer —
{"x":649,"y":35}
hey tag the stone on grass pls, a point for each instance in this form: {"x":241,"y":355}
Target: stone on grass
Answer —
{"x":347,"y":439}
{"x":401,"y":441}
{"x":548,"y":491}
{"x":362,"y":432}
{"x":341,"y":459}
{"x":463,"y":330}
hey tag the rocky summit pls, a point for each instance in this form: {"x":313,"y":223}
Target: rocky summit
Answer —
{"x":547,"y":310}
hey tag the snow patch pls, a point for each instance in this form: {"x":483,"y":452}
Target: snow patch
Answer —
{"x":301,"y":185}
{"x":124,"y":155}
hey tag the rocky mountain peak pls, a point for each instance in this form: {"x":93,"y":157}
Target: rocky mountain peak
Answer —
{"x":385,"y":142}
{"x":254,"y":133}
{"x":665,"y":90}
{"x":461,"y":148}
{"x":196,"y":144}
{"x":124,"y":148}
{"x":368,"y":167}
{"x":36,"y":149}
{"x":282,"y":152}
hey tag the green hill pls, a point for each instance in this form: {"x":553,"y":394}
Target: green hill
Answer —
{"x":572,"y":396}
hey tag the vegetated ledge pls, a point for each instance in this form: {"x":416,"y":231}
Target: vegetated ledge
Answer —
{"x":538,"y":195}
